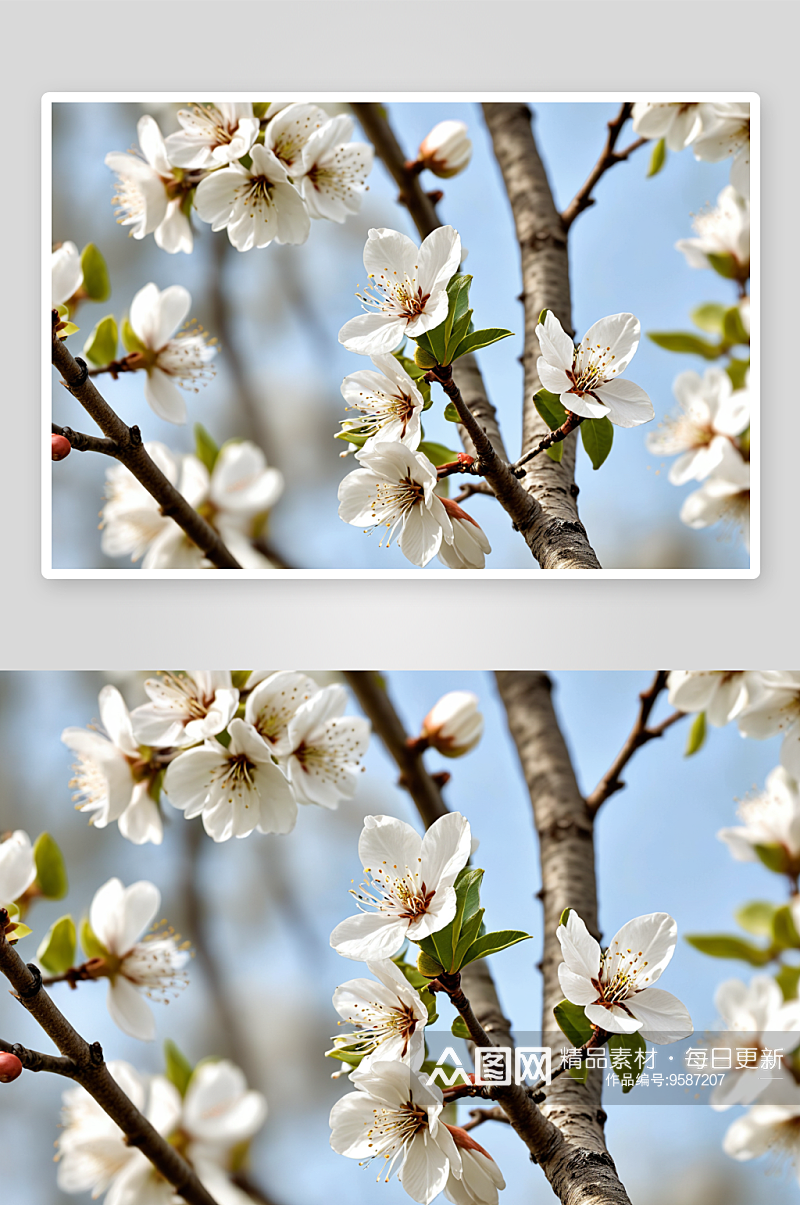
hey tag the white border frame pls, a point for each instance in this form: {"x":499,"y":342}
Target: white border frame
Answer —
{"x":411,"y":574}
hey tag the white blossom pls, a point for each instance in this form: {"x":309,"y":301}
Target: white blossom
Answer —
{"x":587,"y":377}
{"x":775,"y":710}
{"x":394,"y":488}
{"x":334,"y":170}
{"x":92,"y":1152}
{"x":153,"y":967}
{"x":727,"y":133}
{"x":446,"y":151}
{"x":454,"y":725}
{"x":470,"y":543}
{"x":771,"y":818}
{"x":112,"y":781}
{"x":213,"y":134}
{"x":678,"y":123}
{"x":721,"y":693}
{"x":724,"y":230}
{"x":149,"y":196}
{"x":409,"y":891}
{"x":185,"y":708}
{"x":220,"y":1111}
{"x":388,"y":403}
{"x":169,"y":358}
{"x":395,"y":1116}
{"x":389,"y":1016}
{"x":407,"y":294}
{"x":256,"y":204}
{"x":289,"y":132}
{"x":325,"y":748}
{"x":773,"y":1129}
{"x":272,"y":704}
{"x":67,"y":273}
{"x":724,"y":495}
{"x":712,"y":415}
{"x":480,"y":1179}
{"x":236,"y":789}
{"x":17,"y":866}
{"x":758,"y":1019}
{"x":615,"y":985}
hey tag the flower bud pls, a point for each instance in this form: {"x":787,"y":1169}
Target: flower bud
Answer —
{"x":454,"y":725}
{"x":423,"y":358}
{"x":447,"y":150}
{"x":61,"y":447}
{"x":10,"y":1068}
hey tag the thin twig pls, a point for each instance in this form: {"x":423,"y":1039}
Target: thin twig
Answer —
{"x":86,"y":443}
{"x":547,"y":441}
{"x":478,"y":1116}
{"x":388,"y":149}
{"x":639,"y":735}
{"x":474,"y":487}
{"x":34,"y":1060}
{"x":130,"y":451}
{"x":608,"y":158}
{"x":89,"y":1070}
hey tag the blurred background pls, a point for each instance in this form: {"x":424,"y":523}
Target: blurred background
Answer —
{"x":283,"y":308}
{"x":264,"y":909}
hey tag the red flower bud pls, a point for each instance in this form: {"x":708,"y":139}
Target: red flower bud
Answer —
{"x":10,"y":1068}
{"x":61,"y":447}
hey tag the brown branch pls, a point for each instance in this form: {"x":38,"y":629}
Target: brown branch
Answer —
{"x":470,"y":488}
{"x":608,"y":158}
{"x":478,"y":1116}
{"x":34,"y":1060}
{"x":86,"y":443}
{"x":640,"y":734}
{"x":582,"y":1171}
{"x":547,"y":441}
{"x":557,"y":538}
{"x":130,"y":451}
{"x":90,"y":1071}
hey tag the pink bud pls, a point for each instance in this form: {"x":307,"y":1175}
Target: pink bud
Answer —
{"x":61,"y":447}
{"x":10,"y":1068}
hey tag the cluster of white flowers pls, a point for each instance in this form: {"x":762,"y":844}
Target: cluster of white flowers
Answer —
{"x":395,"y":1113}
{"x":287,"y":741}
{"x":714,"y":132}
{"x":710,"y":437}
{"x":396,"y":485}
{"x":261,"y":178}
{"x":234,"y":498}
{"x":210,"y":1124}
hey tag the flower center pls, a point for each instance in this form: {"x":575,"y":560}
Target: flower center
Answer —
{"x":390,"y":504}
{"x":380,"y":408}
{"x":391,"y":295}
{"x":591,"y":367}
{"x":392,"y":1130}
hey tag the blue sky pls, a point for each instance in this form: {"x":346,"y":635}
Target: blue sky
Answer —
{"x":275,"y":900}
{"x":288,"y":304}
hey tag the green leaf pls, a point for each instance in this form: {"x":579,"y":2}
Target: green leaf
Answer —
{"x":697,"y":735}
{"x":774,"y":857}
{"x":737,"y":371}
{"x":562,"y":920}
{"x":101,"y":346}
{"x":479,"y":339}
{"x":556,"y":451}
{"x":460,"y":331}
{"x":239,"y":678}
{"x":492,"y":943}
{"x":130,"y":340}
{"x":571,"y":1020}
{"x":451,"y":414}
{"x":709,"y":317}
{"x":432,"y":342}
{"x":543,"y":314}
{"x":628,"y":1064}
{"x":470,"y":932}
{"x":467,"y":885}
{"x":684,"y":341}
{"x":550,"y":408}
{"x":458,"y":304}
{"x":91,"y":944}
{"x":355,"y":436}
{"x":756,"y":917}
{"x":787,"y":980}
{"x":658,"y":158}
{"x":598,"y":436}
{"x":733,"y":328}
{"x":724,"y":263}
{"x":95,"y":274}
{"x":260,"y":108}
{"x":429,"y":965}
{"x":206,"y":449}
{"x":19,"y":931}
{"x":56,"y":952}
{"x":723,"y":946}
{"x":51,"y":873}
{"x":784,"y":933}
{"x":178,"y":1068}
{"x":352,"y":1055}
{"x":459,"y":1029}
{"x":437,"y":453}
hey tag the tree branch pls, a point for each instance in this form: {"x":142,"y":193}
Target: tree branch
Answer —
{"x":558,"y":539}
{"x":478,"y":1116}
{"x":86,"y":443}
{"x":34,"y":1060}
{"x":130,"y":451}
{"x":547,"y":441}
{"x":608,"y":158}
{"x":89,"y":1070}
{"x":581,"y":1171}
{"x":639,"y":735}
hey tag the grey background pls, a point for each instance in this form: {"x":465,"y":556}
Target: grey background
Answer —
{"x":516,"y":47}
